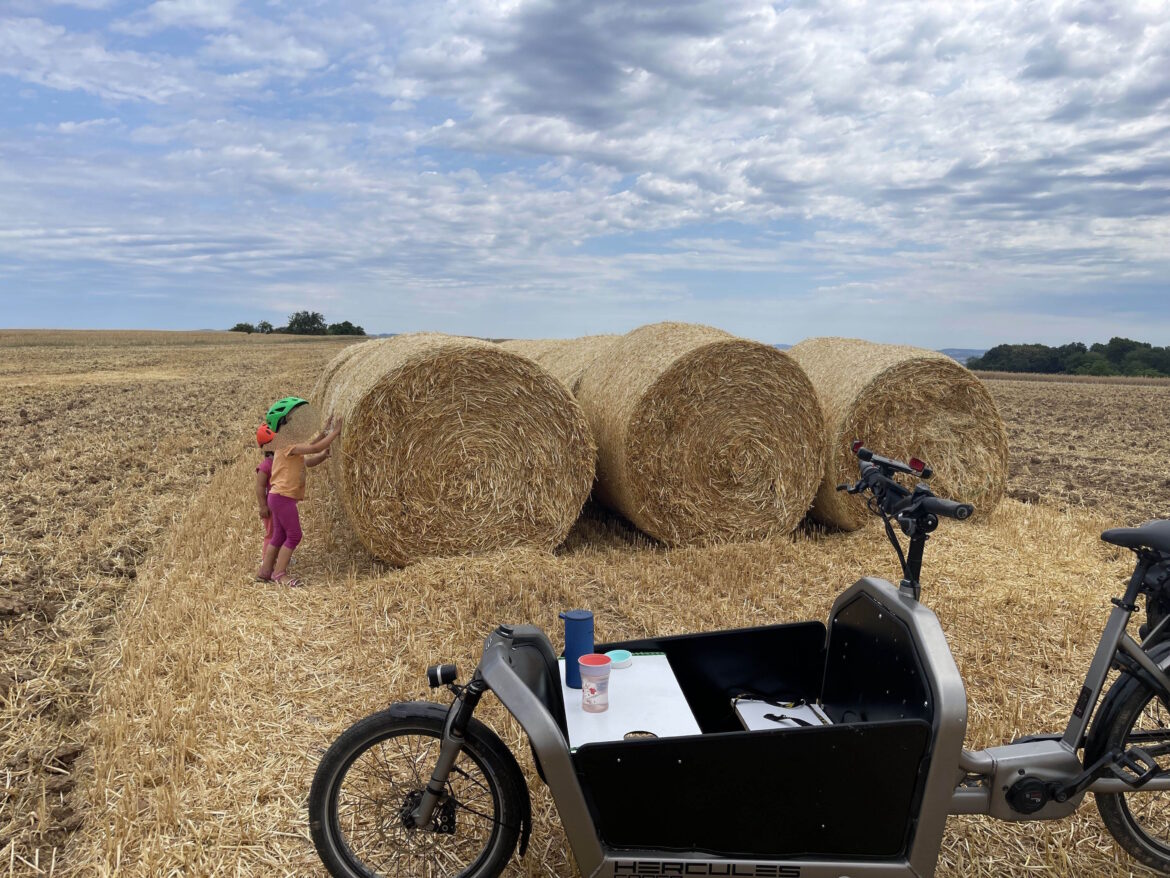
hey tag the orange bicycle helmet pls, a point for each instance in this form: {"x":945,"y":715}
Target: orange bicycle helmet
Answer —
{"x":264,"y":435}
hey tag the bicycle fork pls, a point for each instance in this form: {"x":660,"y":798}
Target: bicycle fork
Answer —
{"x":454,"y":731}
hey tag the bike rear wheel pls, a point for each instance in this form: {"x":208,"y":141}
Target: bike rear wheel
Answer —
{"x":1140,"y":821}
{"x":375,"y":773}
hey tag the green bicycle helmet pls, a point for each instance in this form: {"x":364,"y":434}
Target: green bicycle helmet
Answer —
{"x":280,"y":411}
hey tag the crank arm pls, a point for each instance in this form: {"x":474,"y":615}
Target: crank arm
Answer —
{"x":1133,"y":769}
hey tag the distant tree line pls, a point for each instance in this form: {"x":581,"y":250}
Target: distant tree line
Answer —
{"x":1121,"y":356}
{"x":302,"y":323}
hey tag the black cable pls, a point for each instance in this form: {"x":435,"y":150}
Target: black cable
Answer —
{"x":894,"y":541}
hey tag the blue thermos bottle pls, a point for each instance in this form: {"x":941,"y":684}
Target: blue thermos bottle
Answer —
{"x":578,"y":642}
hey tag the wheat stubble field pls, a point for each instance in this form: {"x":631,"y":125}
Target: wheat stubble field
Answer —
{"x":162,"y":714}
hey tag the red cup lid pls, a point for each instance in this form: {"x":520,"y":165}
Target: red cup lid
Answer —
{"x":595,"y":660}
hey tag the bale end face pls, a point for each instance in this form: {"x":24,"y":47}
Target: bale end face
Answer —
{"x":453,"y":446}
{"x":723,"y":444}
{"x":904,"y":402}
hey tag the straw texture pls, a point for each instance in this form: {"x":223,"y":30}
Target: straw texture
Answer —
{"x":903,"y":401}
{"x":703,"y":437}
{"x":453,"y":446}
{"x":565,"y":358}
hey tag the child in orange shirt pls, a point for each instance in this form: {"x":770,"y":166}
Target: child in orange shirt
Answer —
{"x":264,"y":436}
{"x":289,"y":419}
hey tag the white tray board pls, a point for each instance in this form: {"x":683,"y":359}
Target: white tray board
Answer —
{"x":645,"y":697}
{"x":751,"y":714}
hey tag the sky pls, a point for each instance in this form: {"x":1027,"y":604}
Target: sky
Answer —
{"x":942,"y":174}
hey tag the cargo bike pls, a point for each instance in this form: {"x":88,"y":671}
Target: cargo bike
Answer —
{"x":713,"y":771}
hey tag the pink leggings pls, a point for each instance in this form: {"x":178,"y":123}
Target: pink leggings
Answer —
{"x":286,"y":523}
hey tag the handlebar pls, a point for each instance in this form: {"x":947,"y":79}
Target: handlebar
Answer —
{"x":948,"y":508}
{"x":916,"y":511}
{"x":895,"y":500}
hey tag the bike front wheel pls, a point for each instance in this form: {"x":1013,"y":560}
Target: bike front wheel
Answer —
{"x":1139,"y":821}
{"x":374,"y":775}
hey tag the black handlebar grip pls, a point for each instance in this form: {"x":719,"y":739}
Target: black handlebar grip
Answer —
{"x":948,"y":508}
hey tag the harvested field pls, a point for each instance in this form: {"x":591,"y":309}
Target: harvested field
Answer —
{"x":175,"y":710}
{"x":103,"y":453}
{"x":1104,"y":447}
{"x":1136,"y":380}
{"x":220,"y":698}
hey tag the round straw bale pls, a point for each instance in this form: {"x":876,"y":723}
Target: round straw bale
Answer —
{"x":703,"y":437}
{"x":325,"y":391}
{"x":453,"y":446}
{"x":903,"y":402}
{"x":565,"y":358}
{"x":334,"y":366}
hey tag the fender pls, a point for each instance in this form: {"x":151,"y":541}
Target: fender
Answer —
{"x":1118,"y":692}
{"x":405,"y":709}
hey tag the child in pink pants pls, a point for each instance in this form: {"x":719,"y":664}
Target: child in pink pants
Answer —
{"x":285,"y":487}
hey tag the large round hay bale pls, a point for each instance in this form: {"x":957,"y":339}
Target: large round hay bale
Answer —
{"x":703,"y":437}
{"x":565,"y":358}
{"x":325,"y":379}
{"x":453,"y":446}
{"x":902,"y":402}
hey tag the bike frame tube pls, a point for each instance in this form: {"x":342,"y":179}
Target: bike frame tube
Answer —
{"x":1116,"y":785}
{"x":552,"y":749}
{"x":1113,"y":638}
{"x":1134,"y":650}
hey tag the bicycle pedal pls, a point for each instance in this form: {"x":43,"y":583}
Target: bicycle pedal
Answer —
{"x":1136,"y":767}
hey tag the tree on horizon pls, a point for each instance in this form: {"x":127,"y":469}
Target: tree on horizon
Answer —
{"x":1120,"y":356}
{"x":307,"y":323}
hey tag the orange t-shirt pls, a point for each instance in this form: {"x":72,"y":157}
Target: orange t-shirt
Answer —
{"x":288,"y":475}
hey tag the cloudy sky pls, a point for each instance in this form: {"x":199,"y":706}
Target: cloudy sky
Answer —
{"x":954,"y":174}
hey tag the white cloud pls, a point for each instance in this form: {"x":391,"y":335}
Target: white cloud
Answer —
{"x":50,"y":56}
{"x":266,"y":44}
{"x":196,"y":14}
{"x":31,"y":7}
{"x":83,"y":126}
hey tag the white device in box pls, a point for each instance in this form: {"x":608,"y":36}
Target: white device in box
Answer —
{"x":757,"y":715}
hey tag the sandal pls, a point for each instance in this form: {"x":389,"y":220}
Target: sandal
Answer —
{"x":260,"y":577}
{"x":286,"y":579}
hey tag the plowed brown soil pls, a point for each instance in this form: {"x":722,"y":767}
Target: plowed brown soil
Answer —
{"x":1077,"y":444}
{"x":107,"y":437}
